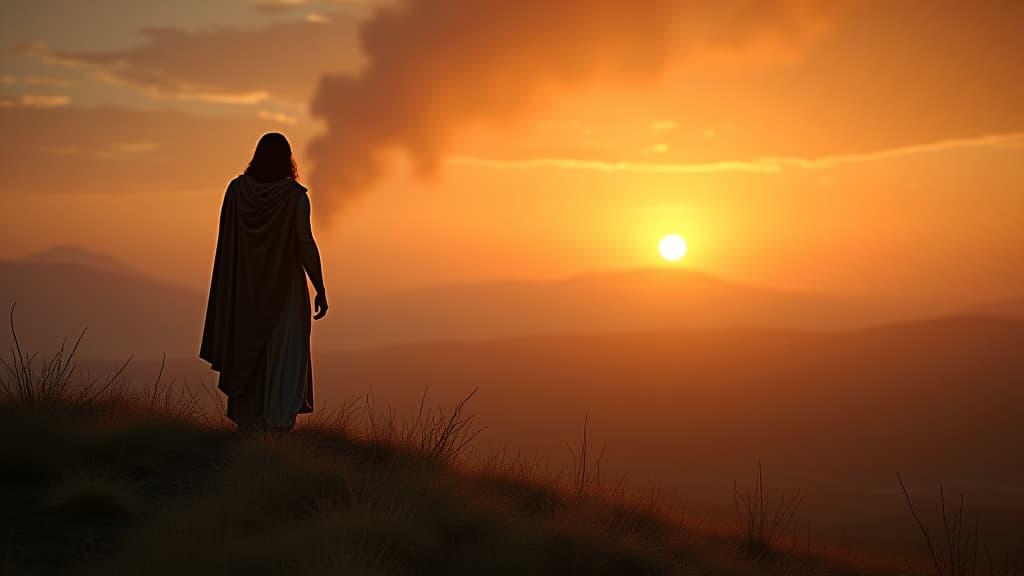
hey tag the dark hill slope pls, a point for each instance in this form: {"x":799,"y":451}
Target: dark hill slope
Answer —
{"x":109,"y":490}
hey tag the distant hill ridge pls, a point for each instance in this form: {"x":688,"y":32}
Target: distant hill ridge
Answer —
{"x":74,"y":255}
{"x":65,"y":288}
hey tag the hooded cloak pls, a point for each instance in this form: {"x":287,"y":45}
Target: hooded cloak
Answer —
{"x":255,"y":272}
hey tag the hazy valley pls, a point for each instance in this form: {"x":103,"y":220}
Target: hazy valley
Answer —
{"x":688,"y":395}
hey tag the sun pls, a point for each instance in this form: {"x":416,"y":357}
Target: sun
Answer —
{"x":672,"y":247}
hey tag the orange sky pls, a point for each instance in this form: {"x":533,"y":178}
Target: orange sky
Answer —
{"x":851,"y":146}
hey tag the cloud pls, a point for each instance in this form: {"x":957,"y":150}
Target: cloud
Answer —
{"x":34,"y":101}
{"x":623,"y":166}
{"x":765,"y":165}
{"x":281,"y":61}
{"x":276,"y":6}
{"x":436,"y":67}
{"x":140,"y":147}
{"x":660,"y":126}
{"x":990,"y":141}
{"x":110,"y":150}
{"x":47,"y":81}
{"x":279,"y":6}
{"x":278,"y":117}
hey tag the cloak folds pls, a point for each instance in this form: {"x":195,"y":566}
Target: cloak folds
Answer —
{"x":254,"y":269}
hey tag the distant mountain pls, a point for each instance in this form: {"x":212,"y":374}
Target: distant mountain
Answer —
{"x":1011,"y":308}
{"x":73,"y":255}
{"x":125,"y":313}
{"x":615,"y":301}
{"x":64,"y":289}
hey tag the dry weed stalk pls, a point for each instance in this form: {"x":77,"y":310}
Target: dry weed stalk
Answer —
{"x":586,"y":476}
{"x":440,"y":436}
{"x":29,"y":378}
{"x":955,"y":553}
{"x":762,"y":524}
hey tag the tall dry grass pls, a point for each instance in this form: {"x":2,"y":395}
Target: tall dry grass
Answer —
{"x":762,"y":522}
{"x":30,"y":378}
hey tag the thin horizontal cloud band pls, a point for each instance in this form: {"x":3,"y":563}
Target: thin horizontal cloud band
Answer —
{"x":766,"y":165}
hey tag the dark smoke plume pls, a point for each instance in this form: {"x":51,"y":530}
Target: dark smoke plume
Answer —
{"x":435,"y":66}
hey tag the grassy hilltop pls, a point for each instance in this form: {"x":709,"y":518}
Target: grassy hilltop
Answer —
{"x":98,"y":479}
{"x":112,"y":489}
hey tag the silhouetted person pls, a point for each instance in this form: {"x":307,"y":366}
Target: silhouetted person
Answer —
{"x":257,"y":319}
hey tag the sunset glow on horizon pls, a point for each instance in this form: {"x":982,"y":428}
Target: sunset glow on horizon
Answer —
{"x":826,"y":146}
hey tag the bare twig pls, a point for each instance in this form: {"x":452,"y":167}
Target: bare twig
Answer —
{"x":956,"y":554}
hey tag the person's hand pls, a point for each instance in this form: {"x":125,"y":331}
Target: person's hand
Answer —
{"x":320,"y":305}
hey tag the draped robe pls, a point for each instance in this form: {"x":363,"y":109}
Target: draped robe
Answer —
{"x":258,"y":315}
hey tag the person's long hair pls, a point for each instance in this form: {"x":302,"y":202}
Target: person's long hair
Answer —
{"x":273,"y":159}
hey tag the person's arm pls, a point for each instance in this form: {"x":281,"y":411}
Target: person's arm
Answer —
{"x":309,"y":255}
